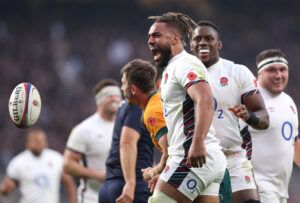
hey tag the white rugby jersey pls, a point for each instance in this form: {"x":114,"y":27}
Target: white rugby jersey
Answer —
{"x":38,"y":177}
{"x":182,"y":71}
{"x":273,"y":148}
{"x":229,"y":81}
{"x":92,"y":138}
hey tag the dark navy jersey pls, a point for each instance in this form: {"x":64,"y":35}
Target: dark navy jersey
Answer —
{"x":129,"y":116}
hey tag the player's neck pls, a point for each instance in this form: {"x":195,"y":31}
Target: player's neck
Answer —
{"x":212,"y":62}
{"x":106,"y":115}
{"x":144,"y":99}
{"x":177,"y":49}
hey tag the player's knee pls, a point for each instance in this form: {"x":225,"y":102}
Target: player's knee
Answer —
{"x":159,"y":197}
{"x":252,"y":201}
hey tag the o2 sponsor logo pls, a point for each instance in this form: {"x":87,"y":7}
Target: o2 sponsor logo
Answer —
{"x":42,"y":181}
{"x":287,"y":130}
{"x":191,"y":184}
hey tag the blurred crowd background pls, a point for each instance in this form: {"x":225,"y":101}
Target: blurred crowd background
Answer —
{"x":64,"y":47}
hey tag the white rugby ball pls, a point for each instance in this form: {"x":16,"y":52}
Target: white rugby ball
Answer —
{"x":24,"y":105}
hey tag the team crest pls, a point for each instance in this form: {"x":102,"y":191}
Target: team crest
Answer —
{"x":151,"y":121}
{"x":247,"y":179}
{"x":166,"y":168}
{"x":191,"y":76}
{"x":223,"y":81}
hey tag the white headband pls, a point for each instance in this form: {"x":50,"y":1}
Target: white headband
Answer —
{"x":107,"y":91}
{"x":271,"y":61}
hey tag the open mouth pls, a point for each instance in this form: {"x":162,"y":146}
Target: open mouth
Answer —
{"x":203,"y":52}
{"x":156,"y":54}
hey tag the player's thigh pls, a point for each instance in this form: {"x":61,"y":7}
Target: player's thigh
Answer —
{"x":240,"y":171}
{"x":245,"y":196}
{"x":213,"y":174}
{"x":110,"y":191}
{"x":209,"y":195}
{"x":207,"y":199}
{"x":164,"y":192}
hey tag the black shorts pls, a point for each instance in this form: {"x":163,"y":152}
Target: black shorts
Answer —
{"x":112,"y":189}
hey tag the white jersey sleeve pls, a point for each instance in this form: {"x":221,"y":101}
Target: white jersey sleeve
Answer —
{"x":247,"y":79}
{"x":13,"y":169}
{"x":77,"y":140}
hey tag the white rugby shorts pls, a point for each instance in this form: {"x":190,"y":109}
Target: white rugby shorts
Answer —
{"x":240,"y":171}
{"x":193,"y":182}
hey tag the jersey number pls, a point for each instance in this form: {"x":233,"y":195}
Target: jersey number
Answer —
{"x":220,"y":111}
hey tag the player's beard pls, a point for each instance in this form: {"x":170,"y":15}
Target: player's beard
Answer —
{"x":164,"y":58}
{"x":36,"y":153}
{"x":112,"y":108}
{"x":128,"y":97}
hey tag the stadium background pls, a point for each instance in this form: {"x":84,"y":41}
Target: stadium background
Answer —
{"x":64,"y":47}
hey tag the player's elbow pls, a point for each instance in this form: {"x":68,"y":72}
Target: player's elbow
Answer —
{"x":67,"y":166}
{"x":4,"y":192}
{"x":297,"y":161}
{"x":125,"y":144}
{"x":264,"y":121}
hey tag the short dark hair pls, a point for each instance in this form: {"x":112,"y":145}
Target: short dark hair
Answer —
{"x":104,"y":83}
{"x":33,"y":130}
{"x":181,"y":22}
{"x":210,"y":24}
{"x":268,"y":53}
{"x":140,"y":73}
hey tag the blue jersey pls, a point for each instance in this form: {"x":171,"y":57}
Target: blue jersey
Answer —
{"x":129,"y":116}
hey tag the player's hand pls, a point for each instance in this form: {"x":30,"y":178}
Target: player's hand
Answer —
{"x":197,"y":155}
{"x":127,"y":195}
{"x":99,"y":175}
{"x":152,"y":183}
{"x":240,"y":111}
{"x":149,"y":173}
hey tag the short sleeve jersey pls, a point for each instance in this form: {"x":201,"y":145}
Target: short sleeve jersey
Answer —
{"x":229,"y":81}
{"x":130,"y":116}
{"x":183,"y":71}
{"x":38,"y":176}
{"x":273,"y":148}
{"x":154,"y":120}
{"x":91,"y":138}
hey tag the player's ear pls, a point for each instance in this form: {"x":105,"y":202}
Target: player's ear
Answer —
{"x":175,"y":39}
{"x":133,"y":89}
{"x":220,"y":45}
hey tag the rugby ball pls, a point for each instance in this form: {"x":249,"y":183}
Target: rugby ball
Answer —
{"x":24,"y":105}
